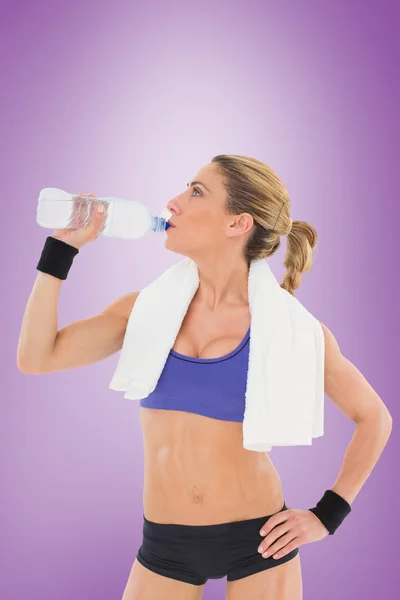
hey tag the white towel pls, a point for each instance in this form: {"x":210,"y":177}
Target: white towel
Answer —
{"x":284,"y":401}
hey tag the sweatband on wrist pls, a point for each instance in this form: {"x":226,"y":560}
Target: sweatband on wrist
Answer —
{"x":56,"y":258}
{"x":331,"y":510}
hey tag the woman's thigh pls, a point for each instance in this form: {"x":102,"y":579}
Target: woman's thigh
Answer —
{"x":283,"y":582}
{"x":143,"y":584}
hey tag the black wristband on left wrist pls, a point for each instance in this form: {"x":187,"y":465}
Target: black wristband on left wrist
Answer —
{"x":331,"y":510}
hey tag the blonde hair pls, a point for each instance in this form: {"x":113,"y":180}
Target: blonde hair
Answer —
{"x":253,"y":187}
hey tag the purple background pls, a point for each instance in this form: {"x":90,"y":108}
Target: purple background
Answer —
{"x":130,"y":100}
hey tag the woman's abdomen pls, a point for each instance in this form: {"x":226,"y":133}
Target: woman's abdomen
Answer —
{"x":197,"y":472}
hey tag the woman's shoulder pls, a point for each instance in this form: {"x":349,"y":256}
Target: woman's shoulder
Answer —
{"x":123,"y":305}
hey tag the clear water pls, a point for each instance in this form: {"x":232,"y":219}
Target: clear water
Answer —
{"x":127,"y":219}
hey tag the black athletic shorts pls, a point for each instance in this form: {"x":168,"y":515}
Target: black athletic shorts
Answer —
{"x":196,"y":553}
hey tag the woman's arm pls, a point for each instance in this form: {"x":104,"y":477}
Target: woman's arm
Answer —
{"x":351,"y":392}
{"x":43,"y":348}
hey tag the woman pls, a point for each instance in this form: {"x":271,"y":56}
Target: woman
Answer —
{"x":212,"y":508}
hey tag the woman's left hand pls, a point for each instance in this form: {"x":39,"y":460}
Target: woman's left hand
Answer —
{"x":289,"y":529}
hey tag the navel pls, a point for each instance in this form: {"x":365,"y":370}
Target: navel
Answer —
{"x":196,"y":495}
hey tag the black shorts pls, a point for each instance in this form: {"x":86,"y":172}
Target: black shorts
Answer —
{"x":196,"y":553}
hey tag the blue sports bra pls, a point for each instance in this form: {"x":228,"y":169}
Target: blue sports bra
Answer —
{"x":212,"y":387}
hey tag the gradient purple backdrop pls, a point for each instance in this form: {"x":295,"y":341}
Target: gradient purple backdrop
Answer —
{"x":130,"y":100}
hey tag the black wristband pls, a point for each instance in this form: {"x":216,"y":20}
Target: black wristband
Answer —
{"x":56,"y":258}
{"x":331,"y":510}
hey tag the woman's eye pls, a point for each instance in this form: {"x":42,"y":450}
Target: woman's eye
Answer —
{"x":196,"y":190}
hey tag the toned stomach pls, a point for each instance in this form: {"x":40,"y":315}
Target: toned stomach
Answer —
{"x":196,"y":471}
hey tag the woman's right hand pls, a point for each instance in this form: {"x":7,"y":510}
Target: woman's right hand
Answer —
{"x":81,"y":236}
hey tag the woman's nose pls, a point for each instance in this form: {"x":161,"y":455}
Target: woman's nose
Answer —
{"x":175,"y":204}
{"x":171,"y":205}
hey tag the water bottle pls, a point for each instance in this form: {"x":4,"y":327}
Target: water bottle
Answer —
{"x":127,"y":219}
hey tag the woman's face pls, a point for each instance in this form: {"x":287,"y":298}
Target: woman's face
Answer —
{"x":202,"y":225}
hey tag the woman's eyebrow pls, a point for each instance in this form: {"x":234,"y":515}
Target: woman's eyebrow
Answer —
{"x":198,"y":183}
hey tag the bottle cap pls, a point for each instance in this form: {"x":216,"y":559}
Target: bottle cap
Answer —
{"x":165,"y":214}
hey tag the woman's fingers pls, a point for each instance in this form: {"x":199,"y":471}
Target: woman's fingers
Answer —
{"x":83,"y":194}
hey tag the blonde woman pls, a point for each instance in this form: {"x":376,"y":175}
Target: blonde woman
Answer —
{"x":212,"y":509}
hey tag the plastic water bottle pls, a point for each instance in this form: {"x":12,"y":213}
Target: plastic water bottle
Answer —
{"x":127,"y":219}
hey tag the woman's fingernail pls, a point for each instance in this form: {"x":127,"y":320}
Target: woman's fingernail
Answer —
{"x":262,"y":532}
{"x":100,"y":208}
{"x":260,"y":549}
